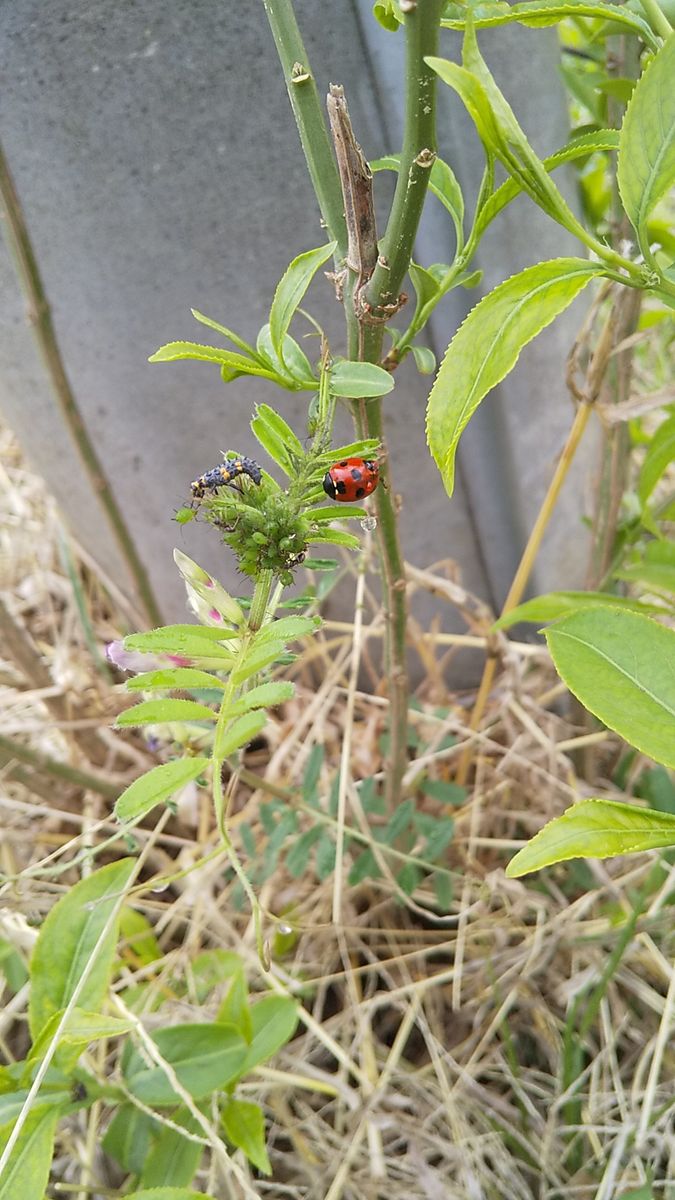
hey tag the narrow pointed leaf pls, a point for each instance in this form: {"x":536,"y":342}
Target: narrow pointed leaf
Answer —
{"x":173,"y":679}
{"x":67,"y":941}
{"x":282,"y":429}
{"x":27,"y":1172}
{"x":168,"y":1193}
{"x":660,"y":455}
{"x":646,"y":165}
{"x":239,"y":733}
{"x":554,"y":605}
{"x":175,"y":351}
{"x":244,"y":1125}
{"x":488,"y":344}
{"x":227,"y":333}
{"x":291,"y":288}
{"x":287,"y":629}
{"x":620,"y":666}
{"x":274,"y":1020}
{"x":161,"y":712}
{"x":538,"y":13}
{"x":156,"y":786}
{"x":594,"y":829}
{"x":265,"y":695}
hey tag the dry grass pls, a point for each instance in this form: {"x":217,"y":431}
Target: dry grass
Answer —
{"x":435,"y":1056}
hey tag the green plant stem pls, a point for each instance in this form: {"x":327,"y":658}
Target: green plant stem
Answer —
{"x":259,"y":604}
{"x":308,"y":112}
{"x":21,"y":248}
{"x":365,"y":343}
{"x":657,"y":18}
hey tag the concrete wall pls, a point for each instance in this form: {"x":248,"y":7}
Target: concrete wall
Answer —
{"x":159,"y":168}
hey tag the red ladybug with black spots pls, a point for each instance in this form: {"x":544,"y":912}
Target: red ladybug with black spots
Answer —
{"x":352,"y":479}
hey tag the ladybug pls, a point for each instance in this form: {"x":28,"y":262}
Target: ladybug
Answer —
{"x":225,"y":473}
{"x":351,"y":479}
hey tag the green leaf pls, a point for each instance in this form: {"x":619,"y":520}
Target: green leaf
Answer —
{"x":367,"y":448}
{"x":537,"y":13}
{"x":660,"y":455}
{"x":167,"y":1193}
{"x":425,"y":285}
{"x":594,"y":829}
{"x":488,"y":344}
{"x":256,"y":660}
{"x":81,"y":1029}
{"x":336,"y":537}
{"x":175,"y":351}
{"x":239,"y":733}
{"x":336,"y":512}
{"x":553,"y":605}
{"x":273,"y":1021}
{"x":205,"y":1058}
{"x":235,"y":1009}
{"x":265,"y":695}
{"x":187,"y":645}
{"x":127,"y":1138}
{"x":294,"y":369}
{"x":287,"y":629}
{"x":27,"y":1172}
{"x":173,"y":1159}
{"x":656,"y":571}
{"x":291,"y":288}
{"x":274,"y":446}
{"x":425,"y":359}
{"x":282,"y":430}
{"x":227,"y":333}
{"x":172,"y":679}
{"x":620,"y":666}
{"x":646,"y":165}
{"x":359,"y":380}
{"x":244,"y":1125}
{"x":388,"y":14}
{"x":157,"y":785}
{"x":598,"y":141}
{"x":67,"y":941}
{"x":139,"y":937}
{"x":160,"y":712}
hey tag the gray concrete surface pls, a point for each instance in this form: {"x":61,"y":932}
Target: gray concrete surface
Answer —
{"x":159,"y":168}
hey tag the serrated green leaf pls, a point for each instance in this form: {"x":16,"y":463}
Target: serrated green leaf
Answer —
{"x":620,"y":666}
{"x":239,"y":363}
{"x":646,"y":163}
{"x":239,"y":733}
{"x":367,"y":448}
{"x":539,"y":13}
{"x":157,"y":785}
{"x":244,"y":1125}
{"x":488,"y":344}
{"x":294,"y":369}
{"x":425,"y":359}
{"x":256,"y":660}
{"x":161,"y":712}
{"x":172,"y":679}
{"x":27,"y":1172}
{"x":594,"y":829}
{"x":184,"y":645}
{"x":660,"y":455}
{"x":227,"y":333}
{"x":358,"y":380}
{"x":553,"y":605}
{"x":205,"y":1058}
{"x":67,"y":941}
{"x":600,"y":140}
{"x":336,"y":512}
{"x":291,"y":288}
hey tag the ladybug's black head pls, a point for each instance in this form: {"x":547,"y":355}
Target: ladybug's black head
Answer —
{"x":329,"y":485}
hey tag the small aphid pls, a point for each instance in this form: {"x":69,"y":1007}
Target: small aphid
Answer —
{"x":224,"y":474}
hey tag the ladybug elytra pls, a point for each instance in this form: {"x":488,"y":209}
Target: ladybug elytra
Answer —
{"x":351,"y":479}
{"x":225,"y":473}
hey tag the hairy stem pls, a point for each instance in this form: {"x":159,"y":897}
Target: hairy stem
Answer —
{"x":21,"y":248}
